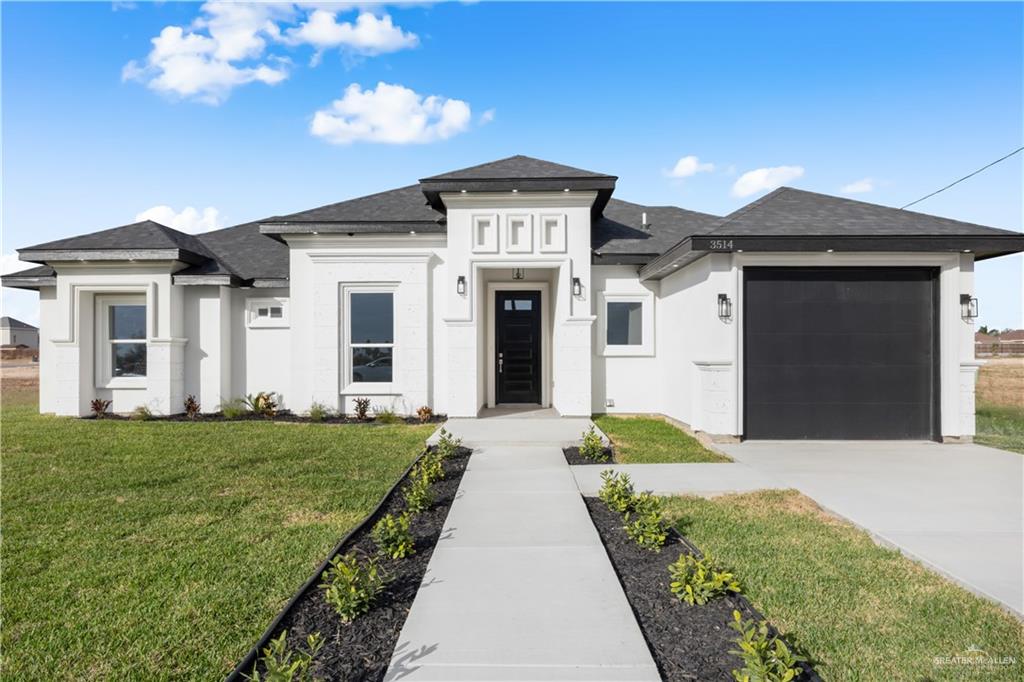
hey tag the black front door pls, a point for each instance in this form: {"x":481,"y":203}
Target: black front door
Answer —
{"x":517,"y":368}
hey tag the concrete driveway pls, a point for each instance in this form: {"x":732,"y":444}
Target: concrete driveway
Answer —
{"x":956,"y":508}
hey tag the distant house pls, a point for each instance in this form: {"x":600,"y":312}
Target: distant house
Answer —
{"x":17,"y":333}
{"x":1010,"y":342}
{"x":1014,"y":336}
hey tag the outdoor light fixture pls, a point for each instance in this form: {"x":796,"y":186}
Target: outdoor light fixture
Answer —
{"x":517,"y":273}
{"x":968,"y":307}
{"x":460,"y":285}
{"x":577,"y":287}
{"x":724,"y":307}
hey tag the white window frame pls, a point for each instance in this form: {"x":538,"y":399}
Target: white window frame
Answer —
{"x":256,"y":322}
{"x":104,"y":344}
{"x":368,"y":387}
{"x":646,"y":347}
{"x":486,"y":241}
{"x":525,"y":244}
{"x":557,"y":243}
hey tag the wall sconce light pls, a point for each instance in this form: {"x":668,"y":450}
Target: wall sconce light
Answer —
{"x":577,"y":287}
{"x":460,"y":285}
{"x":968,"y":307}
{"x":724,"y":307}
{"x":517,"y":273}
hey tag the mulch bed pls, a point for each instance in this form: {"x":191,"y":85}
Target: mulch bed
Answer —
{"x":361,"y":650}
{"x":573,"y":456}
{"x":687,"y":642}
{"x":283,"y":416}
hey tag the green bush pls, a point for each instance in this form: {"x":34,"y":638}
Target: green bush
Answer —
{"x":288,"y":665}
{"x":644,"y":524}
{"x":417,"y":493}
{"x":386,"y":416}
{"x":351,"y":585}
{"x":263,"y":404}
{"x":592,"y":447}
{"x":431,"y":466}
{"x":362,"y":407}
{"x":319,"y":412}
{"x":392,"y":537}
{"x":698,"y":581}
{"x":234,"y":408}
{"x":616,"y":491}
{"x":142,"y":413}
{"x":446,"y":445}
{"x":766,"y":658}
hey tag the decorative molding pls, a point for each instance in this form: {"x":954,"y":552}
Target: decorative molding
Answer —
{"x":471,"y":200}
{"x":370,"y":258}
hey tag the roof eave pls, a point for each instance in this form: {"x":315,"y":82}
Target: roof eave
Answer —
{"x":365,"y":227}
{"x":13,"y":281}
{"x":110,"y":255}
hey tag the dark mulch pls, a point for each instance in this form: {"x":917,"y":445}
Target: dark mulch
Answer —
{"x":282,"y":416}
{"x":687,"y":642}
{"x":361,"y":650}
{"x":573,"y":456}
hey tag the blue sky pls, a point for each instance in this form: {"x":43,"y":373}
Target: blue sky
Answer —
{"x":880,"y":102}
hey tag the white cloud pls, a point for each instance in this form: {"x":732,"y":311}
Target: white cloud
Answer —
{"x":228,"y":45}
{"x":859,"y":187}
{"x":764,"y":179}
{"x":688,"y":166}
{"x":487,"y":117}
{"x":9,"y":263}
{"x":188,"y":220}
{"x":392,"y":114}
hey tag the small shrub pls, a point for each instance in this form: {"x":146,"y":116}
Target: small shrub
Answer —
{"x":446,"y":445}
{"x":263,"y":404}
{"x":386,"y":416}
{"x":616,"y":491}
{"x":362,"y":407}
{"x":234,"y":408}
{"x":192,"y":407}
{"x":351,"y":585}
{"x":592,"y":447}
{"x":766,"y":658}
{"x":99,"y":407}
{"x":431,"y":466}
{"x":141,"y":413}
{"x":698,"y":581}
{"x":392,"y":537}
{"x":417,"y":493}
{"x":424,"y":413}
{"x":319,"y":412}
{"x":644,"y":524}
{"x":288,"y":665}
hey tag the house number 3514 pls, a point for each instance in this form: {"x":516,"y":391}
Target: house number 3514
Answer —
{"x":723,"y":244}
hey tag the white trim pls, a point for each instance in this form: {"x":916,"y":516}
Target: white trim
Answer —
{"x":646,"y":346}
{"x":484,"y":238}
{"x":545,"y":336}
{"x":334,"y":257}
{"x":103,"y":370}
{"x":253,"y":321}
{"x":349,"y":387}
{"x":471,"y":200}
{"x":559,"y":240}
{"x":526,"y":233}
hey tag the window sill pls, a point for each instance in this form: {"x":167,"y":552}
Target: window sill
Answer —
{"x":627,"y":352}
{"x":371,"y":388}
{"x":136,"y":383}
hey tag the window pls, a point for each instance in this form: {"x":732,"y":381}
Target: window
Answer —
{"x":371,"y":336}
{"x":626,"y":324}
{"x":268,"y":312}
{"x":121,"y":341}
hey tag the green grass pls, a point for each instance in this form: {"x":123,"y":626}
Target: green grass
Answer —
{"x":647,"y":440}
{"x":863,"y":612}
{"x":152,"y":550}
{"x":1001,"y":426}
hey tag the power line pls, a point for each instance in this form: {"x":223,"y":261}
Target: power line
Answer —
{"x":927,"y":196}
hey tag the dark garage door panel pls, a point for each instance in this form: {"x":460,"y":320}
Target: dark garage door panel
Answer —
{"x":834,"y":353}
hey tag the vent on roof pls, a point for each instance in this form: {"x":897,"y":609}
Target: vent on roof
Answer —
{"x":643,"y":221}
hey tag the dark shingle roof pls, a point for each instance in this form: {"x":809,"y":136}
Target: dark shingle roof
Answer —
{"x":405,"y":204}
{"x":243,"y":251}
{"x":797,"y":212}
{"x":141,"y":236}
{"x":517,"y":168}
{"x":12,"y":323}
{"x":618,"y":230}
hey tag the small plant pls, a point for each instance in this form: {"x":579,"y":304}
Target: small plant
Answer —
{"x":99,"y":407}
{"x":431,"y":466}
{"x":417,"y":492}
{"x":362,"y":407}
{"x":386,"y":416}
{"x":644,"y":524}
{"x":698,"y":581}
{"x":616,"y":491}
{"x":319,"y":412}
{"x":446,"y":445}
{"x":351,"y":585}
{"x":392,"y":537}
{"x":766,"y":658}
{"x":141,"y":413}
{"x":234,"y":408}
{"x":593,"y":447}
{"x":192,"y":407}
{"x":424,"y":413}
{"x":263,"y":404}
{"x":288,"y":665}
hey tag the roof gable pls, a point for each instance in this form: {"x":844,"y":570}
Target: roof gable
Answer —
{"x":145,"y":237}
{"x":12,"y":323}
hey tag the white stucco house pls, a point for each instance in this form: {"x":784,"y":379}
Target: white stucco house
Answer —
{"x":14,"y":332}
{"x":521,"y":281}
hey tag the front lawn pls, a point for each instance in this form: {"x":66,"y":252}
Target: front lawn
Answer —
{"x":647,"y":440}
{"x":1000,"y":426}
{"x":152,"y":550}
{"x":863,"y":612}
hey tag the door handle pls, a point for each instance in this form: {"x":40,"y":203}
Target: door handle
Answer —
{"x":500,"y":363}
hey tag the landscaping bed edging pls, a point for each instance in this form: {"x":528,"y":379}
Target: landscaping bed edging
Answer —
{"x":687,"y":642}
{"x":573,"y":456}
{"x":362,"y":648}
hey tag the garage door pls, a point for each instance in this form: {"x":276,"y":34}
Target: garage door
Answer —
{"x":833,"y":353}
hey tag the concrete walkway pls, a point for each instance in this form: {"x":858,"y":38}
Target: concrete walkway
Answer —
{"x":519,"y":587}
{"x":694,"y":478}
